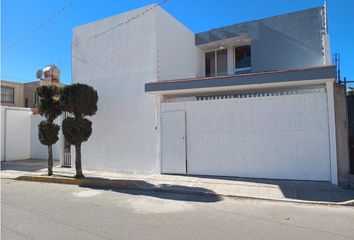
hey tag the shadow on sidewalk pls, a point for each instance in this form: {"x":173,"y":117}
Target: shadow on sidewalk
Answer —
{"x":27,"y":165}
{"x":163,"y":191}
{"x":293,"y":189}
{"x":209,"y":186}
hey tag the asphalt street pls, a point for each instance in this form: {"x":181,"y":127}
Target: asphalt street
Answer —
{"x":32,"y":210}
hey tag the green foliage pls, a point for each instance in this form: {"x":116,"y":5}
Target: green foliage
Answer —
{"x":48,"y":132}
{"x":77,"y":131}
{"x":48,"y":105}
{"x":79,"y":99}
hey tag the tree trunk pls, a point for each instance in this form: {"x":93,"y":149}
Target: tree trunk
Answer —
{"x":79,"y":173}
{"x":50,"y":160}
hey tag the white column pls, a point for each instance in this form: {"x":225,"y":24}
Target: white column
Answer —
{"x":61,"y":140}
{"x":332,"y":132}
{"x":157,"y":102}
{"x":230,"y":60}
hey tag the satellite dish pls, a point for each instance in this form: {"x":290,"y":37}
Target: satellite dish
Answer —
{"x":39,"y":74}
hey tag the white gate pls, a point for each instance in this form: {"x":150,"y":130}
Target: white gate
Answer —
{"x":173,"y":142}
{"x":278,"y":135}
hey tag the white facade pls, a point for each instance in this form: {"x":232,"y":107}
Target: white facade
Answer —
{"x":134,"y":131}
{"x":125,"y":129}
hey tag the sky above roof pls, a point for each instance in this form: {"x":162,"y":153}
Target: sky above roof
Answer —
{"x":51,"y":43}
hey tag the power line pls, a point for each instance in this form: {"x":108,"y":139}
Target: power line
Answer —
{"x":26,"y":35}
{"x":97,"y":64}
{"x":87,"y":39}
{"x":121,"y":23}
{"x":14,"y":78}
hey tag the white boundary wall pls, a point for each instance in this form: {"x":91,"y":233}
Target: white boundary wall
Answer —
{"x":15,"y":133}
{"x":19,"y":135}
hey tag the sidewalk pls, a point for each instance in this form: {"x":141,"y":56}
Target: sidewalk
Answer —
{"x":279,"y":190}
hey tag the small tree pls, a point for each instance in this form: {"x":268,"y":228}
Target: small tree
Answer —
{"x":49,"y":107}
{"x":80,"y":100}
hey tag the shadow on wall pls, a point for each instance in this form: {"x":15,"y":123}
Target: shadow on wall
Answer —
{"x":163,"y":191}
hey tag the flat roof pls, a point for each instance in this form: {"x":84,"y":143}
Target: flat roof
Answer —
{"x":276,"y":76}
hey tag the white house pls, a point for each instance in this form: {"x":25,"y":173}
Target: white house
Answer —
{"x":254,"y":99}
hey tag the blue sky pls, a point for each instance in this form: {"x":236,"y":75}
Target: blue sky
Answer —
{"x":52,"y":43}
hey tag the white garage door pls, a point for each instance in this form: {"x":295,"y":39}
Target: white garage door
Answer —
{"x":282,"y":135}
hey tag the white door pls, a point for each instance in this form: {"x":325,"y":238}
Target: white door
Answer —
{"x":282,"y":135}
{"x":173,"y":142}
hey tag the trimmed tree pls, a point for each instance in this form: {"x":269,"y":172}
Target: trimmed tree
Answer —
{"x":49,"y":107}
{"x":80,"y":100}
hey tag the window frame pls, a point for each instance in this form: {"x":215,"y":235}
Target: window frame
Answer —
{"x":241,"y":69}
{"x":216,"y":73}
{"x":205,"y":64}
{"x":7,"y":95}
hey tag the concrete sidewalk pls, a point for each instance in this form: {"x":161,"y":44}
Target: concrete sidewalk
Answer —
{"x":280,"y":190}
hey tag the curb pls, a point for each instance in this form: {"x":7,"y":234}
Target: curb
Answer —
{"x":135,"y":185}
{"x":115,"y":184}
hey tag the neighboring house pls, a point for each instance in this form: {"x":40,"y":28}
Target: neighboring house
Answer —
{"x":15,"y":94}
{"x":12,"y":94}
{"x":19,"y":121}
{"x":255,"y":99}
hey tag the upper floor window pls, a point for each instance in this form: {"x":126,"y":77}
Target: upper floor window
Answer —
{"x":7,"y":94}
{"x":242,"y":58}
{"x":216,"y":63}
{"x":210,"y":64}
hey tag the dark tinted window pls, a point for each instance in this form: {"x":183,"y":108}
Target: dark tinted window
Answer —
{"x":222,"y":61}
{"x":242,"y":57}
{"x":210,"y":64}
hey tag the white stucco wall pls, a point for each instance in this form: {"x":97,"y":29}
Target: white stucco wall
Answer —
{"x":177,"y":55}
{"x":117,"y":65}
{"x":2,"y":134}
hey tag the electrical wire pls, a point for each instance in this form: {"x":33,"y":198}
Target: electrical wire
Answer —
{"x":92,"y":37}
{"x":121,"y":23}
{"x":26,"y":35}
{"x":10,"y":78}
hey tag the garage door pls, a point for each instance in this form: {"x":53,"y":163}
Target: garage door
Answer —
{"x":282,"y":135}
